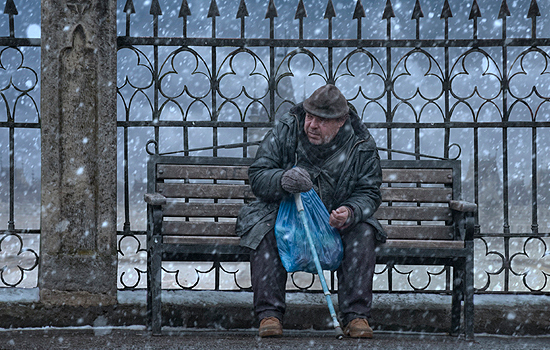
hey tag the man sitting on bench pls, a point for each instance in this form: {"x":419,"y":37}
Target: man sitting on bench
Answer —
{"x":318,"y":144}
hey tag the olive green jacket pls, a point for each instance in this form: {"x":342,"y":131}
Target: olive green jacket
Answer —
{"x":351,"y":176}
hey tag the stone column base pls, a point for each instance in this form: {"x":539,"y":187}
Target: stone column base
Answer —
{"x":75,"y":298}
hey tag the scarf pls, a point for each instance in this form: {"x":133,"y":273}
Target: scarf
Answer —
{"x":320,"y":153}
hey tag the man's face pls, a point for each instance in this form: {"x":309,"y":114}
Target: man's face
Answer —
{"x":321,"y":130}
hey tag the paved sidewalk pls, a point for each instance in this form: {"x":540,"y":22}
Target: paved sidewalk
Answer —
{"x":88,"y":338}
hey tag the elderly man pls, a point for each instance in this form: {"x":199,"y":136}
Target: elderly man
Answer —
{"x":318,"y":144}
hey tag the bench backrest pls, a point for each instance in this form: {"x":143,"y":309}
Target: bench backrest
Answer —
{"x":205,"y":194}
{"x":416,"y":197}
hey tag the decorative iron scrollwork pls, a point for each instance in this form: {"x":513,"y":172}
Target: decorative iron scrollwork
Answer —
{"x":15,"y":260}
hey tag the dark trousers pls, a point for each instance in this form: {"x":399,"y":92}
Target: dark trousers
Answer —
{"x":355,"y":275}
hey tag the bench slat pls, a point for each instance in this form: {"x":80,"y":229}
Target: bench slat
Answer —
{"x":425,"y":232}
{"x":215,"y":191}
{"x":434,"y":176}
{"x":227,"y":229}
{"x":421,"y":244}
{"x":198,"y":228}
{"x":413,"y":213}
{"x":390,"y":243}
{"x":232,"y":210}
{"x":201,"y":240}
{"x":218,"y":191}
{"x":225,"y":172}
{"x":202,"y":209}
{"x":416,"y":194}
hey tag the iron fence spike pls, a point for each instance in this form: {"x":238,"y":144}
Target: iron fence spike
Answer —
{"x":271,"y":10}
{"x":155,"y":8}
{"x":213,"y":10}
{"x":359,"y":11}
{"x":129,"y":7}
{"x":388,"y":10}
{"x":533,"y":9}
{"x":417,"y":11}
{"x":446,"y":11}
{"x":243,"y":11}
{"x":329,"y":11}
{"x":504,"y":11}
{"x":10,"y":8}
{"x":184,"y":9}
{"x":475,"y":12}
{"x":300,"y":11}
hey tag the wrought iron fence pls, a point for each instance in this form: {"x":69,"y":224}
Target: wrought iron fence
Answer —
{"x":221,"y":75}
{"x":423,"y":75}
{"x":19,"y":150}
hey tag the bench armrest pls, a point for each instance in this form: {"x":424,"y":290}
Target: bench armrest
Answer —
{"x":467,"y":210}
{"x":154,"y":199}
{"x":463,"y":206}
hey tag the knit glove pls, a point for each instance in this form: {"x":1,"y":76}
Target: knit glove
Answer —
{"x":296,"y":180}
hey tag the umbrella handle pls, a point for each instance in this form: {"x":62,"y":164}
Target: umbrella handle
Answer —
{"x":298,"y":200}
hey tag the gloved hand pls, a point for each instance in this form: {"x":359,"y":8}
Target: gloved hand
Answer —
{"x":296,"y":180}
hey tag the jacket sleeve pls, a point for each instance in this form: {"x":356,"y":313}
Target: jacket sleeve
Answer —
{"x":365,"y":195}
{"x":270,"y":163}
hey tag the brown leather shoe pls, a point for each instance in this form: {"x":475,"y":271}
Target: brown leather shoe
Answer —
{"x":358,"y":328}
{"x":270,"y":327}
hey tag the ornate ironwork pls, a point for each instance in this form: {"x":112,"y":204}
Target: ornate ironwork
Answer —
{"x":19,"y":154}
{"x":465,"y":95}
{"x":15,"y":260}
{"x":418,"y":91}
{"x":132,"y":262}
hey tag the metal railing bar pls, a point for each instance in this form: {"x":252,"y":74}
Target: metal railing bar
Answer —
{"x":370,"y":125}
{"x":124,"y":41}
{"x":19,"y":125}
{"x":19,"y":42}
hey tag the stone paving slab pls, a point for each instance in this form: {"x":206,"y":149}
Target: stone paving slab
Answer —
{"x":88,"y":338}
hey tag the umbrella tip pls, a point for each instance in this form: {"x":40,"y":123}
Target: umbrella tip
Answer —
{"x":339,"y":333}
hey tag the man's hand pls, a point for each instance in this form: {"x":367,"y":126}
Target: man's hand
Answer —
{"x":339,"y":217}
{"x":296,"y":180}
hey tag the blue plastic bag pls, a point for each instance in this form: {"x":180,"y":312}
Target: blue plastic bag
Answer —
{"x":291,"y":236}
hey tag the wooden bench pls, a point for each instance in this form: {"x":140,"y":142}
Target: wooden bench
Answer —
{"x":192,"y":203}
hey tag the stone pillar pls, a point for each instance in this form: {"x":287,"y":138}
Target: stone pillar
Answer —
{"x":78,"y":258}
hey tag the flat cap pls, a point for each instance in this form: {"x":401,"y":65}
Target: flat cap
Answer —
{"x":327,"y":102}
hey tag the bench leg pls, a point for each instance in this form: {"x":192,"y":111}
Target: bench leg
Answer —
{"x":155,"y":293}
{"x":469,"y":292}
{"x":457,"y":296}
{"x":152,"y":295}
{"x":148,"y":314}
{"x":154,"y":272}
